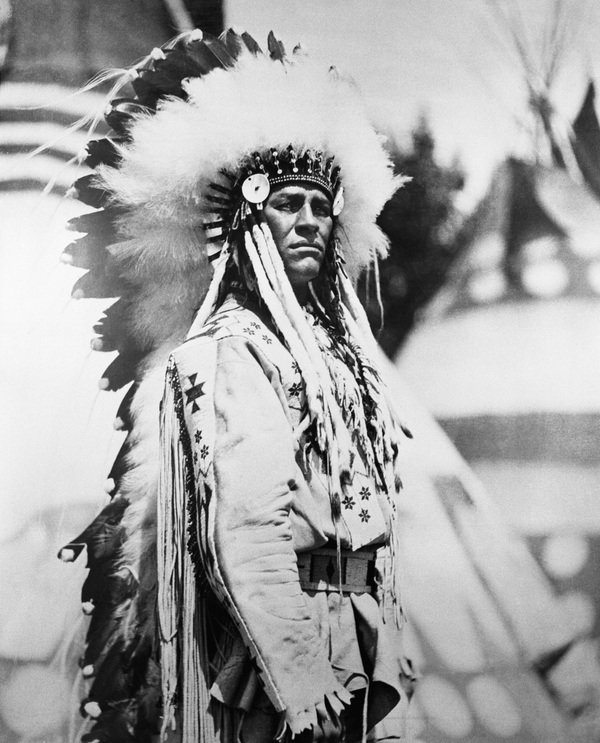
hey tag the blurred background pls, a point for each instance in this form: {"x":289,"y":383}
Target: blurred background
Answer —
{"x":491,"y":310}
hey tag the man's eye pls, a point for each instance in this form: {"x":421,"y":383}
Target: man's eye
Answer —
{"x":322,"y":210}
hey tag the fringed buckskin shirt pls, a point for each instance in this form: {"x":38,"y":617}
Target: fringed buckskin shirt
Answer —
{"x":293,"y":649}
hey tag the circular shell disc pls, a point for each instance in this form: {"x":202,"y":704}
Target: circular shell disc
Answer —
{"x":256,"y":188}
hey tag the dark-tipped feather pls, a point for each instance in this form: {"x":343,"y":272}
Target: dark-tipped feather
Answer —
{"x":108,"y":592}
{"x":275,"y":47}
{"x":101,"y":536}
{"x":120,"y":465}
{"x":116,"y":332}
{"x":124,"y":410}
{"x":219,"y":50}
{"x":102,"y":151}
{"x":123,"y":111}
{"x":233,"y":42}
{"x":251,"y":44}
{"x":112,"y":677}
{"x":98,"y":285}
{"x":89,"y":192}
{"x":86,"y":253}
{"x":121,"y":371}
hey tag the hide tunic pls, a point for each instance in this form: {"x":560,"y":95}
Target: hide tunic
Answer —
{"x":286,"y":654}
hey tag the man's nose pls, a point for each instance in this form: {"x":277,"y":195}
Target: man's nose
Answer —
{"x":306,"y":219}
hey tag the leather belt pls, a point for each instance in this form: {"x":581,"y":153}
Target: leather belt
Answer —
{"x":318,"y":570}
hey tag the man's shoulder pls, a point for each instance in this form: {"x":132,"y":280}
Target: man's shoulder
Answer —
{"x":230,"y":319}
{"x":234,"y":322}
{"x":237,"y":332}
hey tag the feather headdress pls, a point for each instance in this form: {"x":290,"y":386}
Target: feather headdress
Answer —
{"x":165,"y":175}
{"x":202,"y":115}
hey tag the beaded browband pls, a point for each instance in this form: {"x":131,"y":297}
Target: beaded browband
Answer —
{"x":259,"y":172}
{"x":287,"y":165}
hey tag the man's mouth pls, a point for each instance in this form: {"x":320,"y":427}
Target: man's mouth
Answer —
{"x":305,"y":246}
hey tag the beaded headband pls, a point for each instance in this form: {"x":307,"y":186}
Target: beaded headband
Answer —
{"x":287,"y":165}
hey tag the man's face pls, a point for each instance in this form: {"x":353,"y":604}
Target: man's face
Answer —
{"x":300,"y":221}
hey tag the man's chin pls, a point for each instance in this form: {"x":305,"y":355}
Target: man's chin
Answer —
{"x":303,"y":270}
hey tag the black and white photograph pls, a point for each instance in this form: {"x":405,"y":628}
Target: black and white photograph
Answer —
{"x":300,"y":372}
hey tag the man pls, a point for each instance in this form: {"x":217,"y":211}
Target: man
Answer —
{"x":300,"y":221}
{"x":278,"y":612}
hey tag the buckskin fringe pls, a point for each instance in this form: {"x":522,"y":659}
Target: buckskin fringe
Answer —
{"x":181,"y":608}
